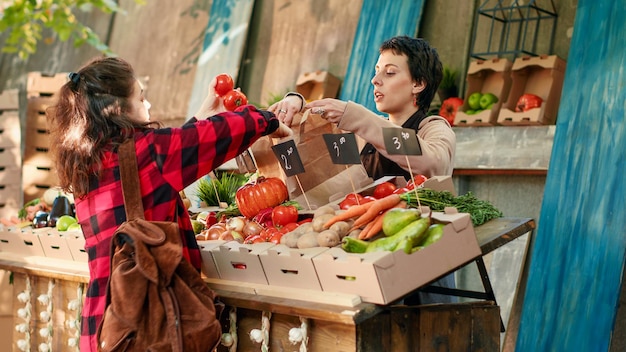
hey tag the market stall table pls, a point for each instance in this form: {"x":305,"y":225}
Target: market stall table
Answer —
{"x":347,"y":326}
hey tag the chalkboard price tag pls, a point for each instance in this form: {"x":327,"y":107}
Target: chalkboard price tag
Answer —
{"x":288,"y":157}
{"x":342,"y":148}
{"x":401,"y":141}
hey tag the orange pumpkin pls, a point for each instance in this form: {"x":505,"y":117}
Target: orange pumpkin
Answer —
{"x":260,"y":194}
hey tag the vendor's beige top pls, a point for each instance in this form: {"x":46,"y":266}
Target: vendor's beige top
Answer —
{"x":437,"y":140}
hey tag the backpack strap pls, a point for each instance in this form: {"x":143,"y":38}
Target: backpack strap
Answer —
{"x":129,"y":174}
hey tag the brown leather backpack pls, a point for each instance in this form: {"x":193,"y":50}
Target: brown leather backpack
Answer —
{"x":156,"y":300}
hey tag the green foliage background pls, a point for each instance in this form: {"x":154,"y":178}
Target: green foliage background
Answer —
{"x":23,"y":21}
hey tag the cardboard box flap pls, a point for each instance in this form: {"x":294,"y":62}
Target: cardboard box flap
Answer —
{"x":379,"y":259}
{"x":440,"y":183}
{"x":497,"y":65}
{"x":245,"y":249}
{"x":281,"y":250}
{"x":544,"y":61}
{"x":459,"y":221}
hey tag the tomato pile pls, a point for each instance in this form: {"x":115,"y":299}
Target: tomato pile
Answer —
{"x":380,"y":191}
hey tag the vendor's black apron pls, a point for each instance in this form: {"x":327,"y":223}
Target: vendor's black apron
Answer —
{"x":378,"y":166}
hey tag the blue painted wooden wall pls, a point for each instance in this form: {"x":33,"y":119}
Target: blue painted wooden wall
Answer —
{"x":222,"y":47}
{"x":379,"y":20}
{"x":578,"y":254}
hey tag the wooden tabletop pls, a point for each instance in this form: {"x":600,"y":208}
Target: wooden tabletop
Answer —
{"x":490,"y":235}
{"x":500,"y":231}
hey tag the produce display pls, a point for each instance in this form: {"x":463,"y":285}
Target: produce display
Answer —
{"x":528,"y":101}
{"x":388,"y":219}
{"x":478,"y":102}
{"x":449,"y":107}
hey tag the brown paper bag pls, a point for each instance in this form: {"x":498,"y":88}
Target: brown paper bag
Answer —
{"x":319,"y":169}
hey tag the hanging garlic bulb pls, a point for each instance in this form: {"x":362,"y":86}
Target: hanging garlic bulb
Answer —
{"x":256,"y":335}
{"x":227,"y":339}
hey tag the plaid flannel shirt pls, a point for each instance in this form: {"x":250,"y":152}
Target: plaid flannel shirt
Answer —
{"x":169,"y":159}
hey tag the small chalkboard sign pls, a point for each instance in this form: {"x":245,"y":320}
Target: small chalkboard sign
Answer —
{"x":401,"y":141}
{"x":288,"y":157}
{"x":342,"y":148}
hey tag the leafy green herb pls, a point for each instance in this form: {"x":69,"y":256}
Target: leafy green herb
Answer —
{"x":226,"y":184}
{"x":22,"y":213}
{"x":480,"y":210}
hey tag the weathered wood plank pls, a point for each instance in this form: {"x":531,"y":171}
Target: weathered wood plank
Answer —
{"x":578,"y":255}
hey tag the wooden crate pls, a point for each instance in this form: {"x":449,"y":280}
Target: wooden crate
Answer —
{"x":44,"y":84}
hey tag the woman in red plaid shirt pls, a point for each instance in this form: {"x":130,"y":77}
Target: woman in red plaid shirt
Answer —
{"x":101,"y":106}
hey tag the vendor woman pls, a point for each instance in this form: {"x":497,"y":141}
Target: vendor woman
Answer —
{"x":407,"y":75}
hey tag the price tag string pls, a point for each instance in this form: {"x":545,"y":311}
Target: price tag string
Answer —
{"x":214,"y":179}
{"x":303,"y":193}
{"x":352,"y":184}
{"x":413,"y":181}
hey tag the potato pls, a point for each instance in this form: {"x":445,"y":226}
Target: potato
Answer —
{"x":341,"y":228}
{"x":355,"y":233}
{"x":318,"y":222}
{"x":290,"y":239}
{"x":326,"y":209}
{"x":308,"y":240}
{"x":304,"y":228}
{"x":328,"y":238}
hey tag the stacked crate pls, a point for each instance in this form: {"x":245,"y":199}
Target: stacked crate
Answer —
{"x":38,"y":172}
{"x":10,"y":154}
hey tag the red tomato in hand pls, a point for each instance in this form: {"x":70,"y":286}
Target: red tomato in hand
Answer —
{"x":527,"y":102}
{"x":384,"y":189}
{"x":419,"y":179}
{"x":224,"y":84}
{"x":284,"y":214}
{"x":234,"y":99}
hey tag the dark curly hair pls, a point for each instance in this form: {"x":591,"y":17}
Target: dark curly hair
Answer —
{"x":91,"y":115}
{"x":424,"y":65}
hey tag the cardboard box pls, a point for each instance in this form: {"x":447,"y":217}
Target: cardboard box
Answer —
{"x":11,"y":157}
{"x":317,"y":85}
{"x":542,"y":76}
{"x":10,"y":175}
{"x":240,"y":262}
{"x":383,"y":277}
{"x":9,"y":99}
{"x":485,"y":76}
{"x":10,"y":130}
{"x":36,"y":179}
{"x":209,"y":269}
{"x":291,"y":267}
{"x":54,"y":244}
{"x":76,"y":243}
{"x":11,"y":205}
{"x":44,"y":84}
{"x":21,"y":243}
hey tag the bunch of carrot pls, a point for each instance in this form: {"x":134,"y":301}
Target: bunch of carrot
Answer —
{"x":369,"y":215}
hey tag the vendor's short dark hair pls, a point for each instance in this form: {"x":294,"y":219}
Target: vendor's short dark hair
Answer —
{"x":424,"y":64}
